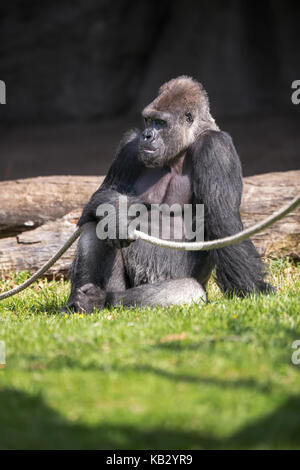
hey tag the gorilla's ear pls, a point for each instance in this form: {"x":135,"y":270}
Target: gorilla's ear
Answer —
{"x":217,"y":183}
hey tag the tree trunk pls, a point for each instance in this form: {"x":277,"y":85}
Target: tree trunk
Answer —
{"x":263,"y":194}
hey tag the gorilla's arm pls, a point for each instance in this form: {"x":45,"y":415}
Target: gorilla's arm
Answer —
{"x":217,"y":181}
{"x":118,"y":181}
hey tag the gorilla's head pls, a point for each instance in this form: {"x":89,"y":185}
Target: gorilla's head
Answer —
{"x":174,"y":120}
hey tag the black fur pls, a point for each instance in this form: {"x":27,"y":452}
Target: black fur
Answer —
{"x":218,"y":184}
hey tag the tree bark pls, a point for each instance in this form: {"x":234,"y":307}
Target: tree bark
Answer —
{"x":263,"y":194}
{"x":28,"y":251}
{"x":29,"y":203}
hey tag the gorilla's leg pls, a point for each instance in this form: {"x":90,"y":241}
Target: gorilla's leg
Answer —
{"x":165,"y":293}
{"x":96,"y":268}
{"x":98,"y":279}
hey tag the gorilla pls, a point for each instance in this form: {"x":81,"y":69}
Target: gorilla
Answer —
{"x":180,"y":157}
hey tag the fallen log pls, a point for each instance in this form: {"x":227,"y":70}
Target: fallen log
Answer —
{"x":29,"y":203}
{"x":263,"y":194}
{"x":28,"y":251}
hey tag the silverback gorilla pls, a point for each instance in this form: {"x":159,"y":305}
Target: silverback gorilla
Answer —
{"x":180,"y":157}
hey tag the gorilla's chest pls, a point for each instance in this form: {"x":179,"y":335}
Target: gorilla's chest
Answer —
{"x":164,"y":185}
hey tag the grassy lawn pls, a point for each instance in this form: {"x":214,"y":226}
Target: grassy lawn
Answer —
{"x":200,"y":377}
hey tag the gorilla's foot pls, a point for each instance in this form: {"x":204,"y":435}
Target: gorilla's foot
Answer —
{"x":86,"y":299}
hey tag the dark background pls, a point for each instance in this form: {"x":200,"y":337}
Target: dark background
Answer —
{"x":79,"y":72}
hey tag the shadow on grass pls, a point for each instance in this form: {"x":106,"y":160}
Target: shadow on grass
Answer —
{"x":63,"y":362}
{"x":189,"y":378}
{"x":27,"y":422}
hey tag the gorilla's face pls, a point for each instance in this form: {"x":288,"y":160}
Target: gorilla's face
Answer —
{"x":165,"y":137}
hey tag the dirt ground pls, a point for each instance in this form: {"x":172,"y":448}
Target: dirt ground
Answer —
{"x":265,"y":144}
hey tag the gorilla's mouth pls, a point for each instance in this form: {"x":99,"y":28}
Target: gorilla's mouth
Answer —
{"x":147,"y":147}
{"x":150,"y":157}
{"x":149,"y":152}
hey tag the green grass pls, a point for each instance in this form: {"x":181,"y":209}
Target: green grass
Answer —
{"x":200,"y":377}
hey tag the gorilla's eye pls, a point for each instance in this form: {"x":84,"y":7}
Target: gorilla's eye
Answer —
{"x":189,"y":118}
{"x":153,"y":122}
{"x":159,"y":123}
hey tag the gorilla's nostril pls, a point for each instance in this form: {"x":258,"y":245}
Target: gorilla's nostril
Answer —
{"x":148,"y":134}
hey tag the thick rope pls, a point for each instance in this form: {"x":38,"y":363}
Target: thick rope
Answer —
{"x":44,"y":268}
{"x":221,"y":242}
{"x":188,"y":246}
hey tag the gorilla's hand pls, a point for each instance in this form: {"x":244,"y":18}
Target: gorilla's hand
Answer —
{"x":116,"y":230}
